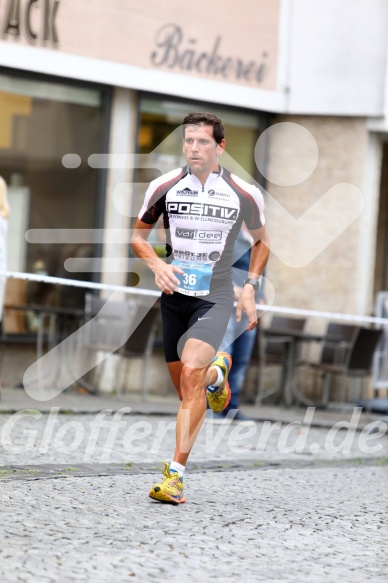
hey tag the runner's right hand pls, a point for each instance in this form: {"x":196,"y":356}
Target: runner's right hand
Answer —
{"x":165,"y":278}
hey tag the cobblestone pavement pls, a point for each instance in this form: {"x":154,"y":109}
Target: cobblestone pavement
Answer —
{"x":318,"y":516}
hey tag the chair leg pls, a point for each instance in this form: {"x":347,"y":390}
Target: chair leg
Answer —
{"x":326,"y":389}
{"x":360,"y":392}
{"x":342,"y":389}
{"x":98,"y":375}
{"x":119,"y":375}
{"x":273,"y":390}
{"x":124,"y":373}
{"x":316,"y":383}
{"x":146,"y":366}
{"x":144,"y":383}
{"x":256,"y":383}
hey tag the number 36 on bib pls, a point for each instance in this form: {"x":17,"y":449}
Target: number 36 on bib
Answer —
{"x":195,"y":280}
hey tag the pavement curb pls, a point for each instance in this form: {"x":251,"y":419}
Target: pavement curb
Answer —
{"x":55,"y":471}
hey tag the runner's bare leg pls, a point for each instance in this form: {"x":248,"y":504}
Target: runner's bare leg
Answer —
{"x":190,"y":377}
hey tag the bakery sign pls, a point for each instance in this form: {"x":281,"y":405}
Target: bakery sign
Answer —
{"x":177,"y":51}
{"x":33,"y":20}
{"x":237,"y":42}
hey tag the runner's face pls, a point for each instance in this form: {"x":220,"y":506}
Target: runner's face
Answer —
{"x":200,"y":149}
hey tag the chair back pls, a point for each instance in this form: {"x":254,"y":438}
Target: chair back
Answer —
{"x":107,"y":323}
{"x":141,"y":339}
{"x":338,"y":339}
{"x":285,"y":323}
{"x":274,"y":350}
{"x":363,"y":350}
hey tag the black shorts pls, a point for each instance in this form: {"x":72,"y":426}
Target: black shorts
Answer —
{"x":204,"y":318}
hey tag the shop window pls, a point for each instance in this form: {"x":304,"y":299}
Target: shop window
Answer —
{"x":40,"y":122}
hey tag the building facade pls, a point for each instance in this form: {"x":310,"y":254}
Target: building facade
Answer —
{"x":92,"y":95}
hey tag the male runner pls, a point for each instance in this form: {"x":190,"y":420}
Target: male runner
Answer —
{"x":203,"y":206}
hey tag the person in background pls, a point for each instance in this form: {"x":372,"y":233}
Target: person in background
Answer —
{"x":4,"y":214}
{"x":238,"y":341}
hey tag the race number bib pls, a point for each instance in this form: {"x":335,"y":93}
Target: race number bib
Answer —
{"x":195,"y":280}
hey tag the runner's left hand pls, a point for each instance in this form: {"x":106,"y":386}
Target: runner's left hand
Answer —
{"x":246,"y":303}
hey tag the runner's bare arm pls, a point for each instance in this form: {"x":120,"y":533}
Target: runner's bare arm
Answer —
{"x":258,"y":261}
{"x":164,"y":273}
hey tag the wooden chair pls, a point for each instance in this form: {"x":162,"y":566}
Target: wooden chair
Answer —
{"x":126,"y":328}
{"x":272,"y":350}
{"x":140,"y":345}
{"x":336,"y":343}
{"x":356,"y":362}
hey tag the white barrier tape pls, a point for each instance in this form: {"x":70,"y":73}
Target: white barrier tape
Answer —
{"x":326,"y":315}
{"x":145,"y":292}
{"x":78,"y":283}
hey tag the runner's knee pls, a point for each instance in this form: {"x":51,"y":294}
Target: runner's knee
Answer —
{"x":192,"y":379}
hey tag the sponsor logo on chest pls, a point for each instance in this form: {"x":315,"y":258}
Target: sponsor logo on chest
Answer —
{"x":205,"y":210}
{"x":202,"y":234}
{"x":219,"y":195}
{"x":187,"y":192}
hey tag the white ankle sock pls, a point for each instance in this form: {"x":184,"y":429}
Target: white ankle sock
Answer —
{"x":175,"y":467}
{"x":220,"y":377}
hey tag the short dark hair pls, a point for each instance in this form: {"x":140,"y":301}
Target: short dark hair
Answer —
{"x":206,"y":119}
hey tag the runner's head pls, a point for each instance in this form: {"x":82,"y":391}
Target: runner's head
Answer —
{"x":206,"y":119}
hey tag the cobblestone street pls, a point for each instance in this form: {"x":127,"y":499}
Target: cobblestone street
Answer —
{"x":297,"y":503}
{"x":306,"y":525}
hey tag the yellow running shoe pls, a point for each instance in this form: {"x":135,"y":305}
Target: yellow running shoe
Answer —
{"x":171,"y":489}
{"x":219,"y":399}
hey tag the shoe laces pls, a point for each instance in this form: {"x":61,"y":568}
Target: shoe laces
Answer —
{"x":219,"y":392}
{"x":167,"y":473}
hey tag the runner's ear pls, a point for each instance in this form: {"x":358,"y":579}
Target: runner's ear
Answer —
{"x":221,"y":147}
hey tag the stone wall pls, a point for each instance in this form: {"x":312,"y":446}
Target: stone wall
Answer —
{"x":330,"y":280}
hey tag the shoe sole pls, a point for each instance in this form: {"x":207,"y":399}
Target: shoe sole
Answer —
{"x":163,"y":497}
{"x":229,"y":395}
